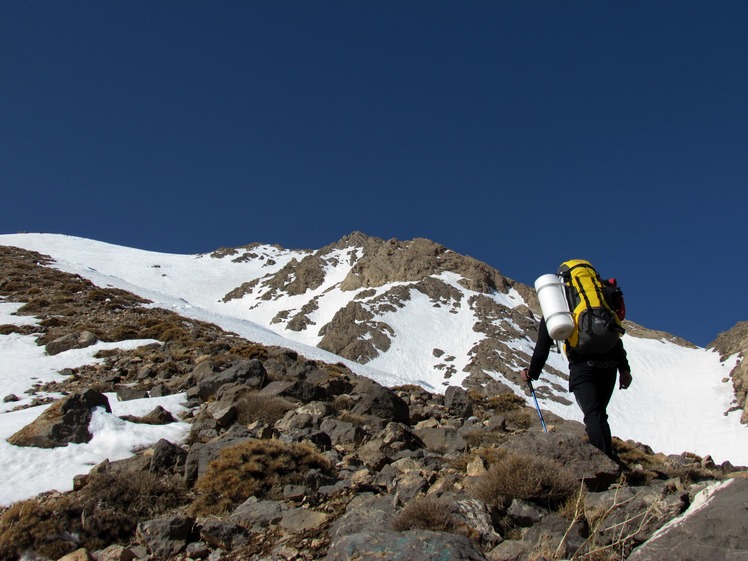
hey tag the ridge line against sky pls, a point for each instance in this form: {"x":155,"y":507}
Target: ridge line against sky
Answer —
{"x":521,"y":134}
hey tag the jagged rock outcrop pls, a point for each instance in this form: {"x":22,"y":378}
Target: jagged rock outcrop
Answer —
{"x":416,"y":260}
{"x":65,"y":421}
{"x":735,"y":341}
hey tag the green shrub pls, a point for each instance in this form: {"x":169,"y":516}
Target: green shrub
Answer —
{"x":258,"y":468}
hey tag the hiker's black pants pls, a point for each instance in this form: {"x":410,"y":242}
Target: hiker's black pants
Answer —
{"x":593,"y":388}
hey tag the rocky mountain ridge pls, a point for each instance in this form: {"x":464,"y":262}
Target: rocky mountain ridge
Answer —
{"x":294,"y":459}
{"x":377,"y":277}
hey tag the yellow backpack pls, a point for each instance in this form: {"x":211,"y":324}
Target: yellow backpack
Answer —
{"x":597,"y":327}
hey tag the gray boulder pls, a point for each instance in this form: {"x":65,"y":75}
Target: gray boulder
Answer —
{"x":167,"y":458}
{"x":365,"y":513}
{"x":65,"y":421}
{"x":443,"y":440}
{"x":73,"y":340}
{"x":166,"y":537}
{"x":590,"y":464}
{"x":250,"y":373}
{"x":715,"y":527}
{"x":632,"y":514}
{"x":378,"y":401}
{"x":457,"y":402}
{"x":223,"y":534}
{"x":413,"y":545}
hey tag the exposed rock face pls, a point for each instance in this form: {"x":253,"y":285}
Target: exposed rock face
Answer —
{"x":354,"y":334}
{"x":715,"y":527}
{"x":65,"y":421}
{"x":416,"y":260}
{"x":735,"y":341}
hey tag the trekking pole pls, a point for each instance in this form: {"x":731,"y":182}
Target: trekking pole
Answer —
{"x":532,"y":391}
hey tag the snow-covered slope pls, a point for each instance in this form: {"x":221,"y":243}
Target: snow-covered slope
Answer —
{"x":412,"y":312}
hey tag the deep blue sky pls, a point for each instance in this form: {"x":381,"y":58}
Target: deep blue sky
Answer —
{"x":520,"y":133}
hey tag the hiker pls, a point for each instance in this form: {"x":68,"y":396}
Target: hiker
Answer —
{"x":592,"y":377}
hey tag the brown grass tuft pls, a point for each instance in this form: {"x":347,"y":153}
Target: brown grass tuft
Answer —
{"x":427,"y":513}
{"x":258,"y":468}
{"x":521,"y":476}
{"x":253,"y":407}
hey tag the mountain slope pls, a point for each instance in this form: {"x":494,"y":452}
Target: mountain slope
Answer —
{"x":414,"y":312}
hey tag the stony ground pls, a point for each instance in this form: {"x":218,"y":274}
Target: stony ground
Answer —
{"x":296,"y":459}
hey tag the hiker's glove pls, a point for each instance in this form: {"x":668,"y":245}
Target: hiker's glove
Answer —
{"x":625,"y":379}
{"x":525,"y":374}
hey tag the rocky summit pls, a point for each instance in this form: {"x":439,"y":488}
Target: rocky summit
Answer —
{"x":294,"y":458}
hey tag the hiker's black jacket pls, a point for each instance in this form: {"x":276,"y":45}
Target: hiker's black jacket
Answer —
{"x":613,"y":358}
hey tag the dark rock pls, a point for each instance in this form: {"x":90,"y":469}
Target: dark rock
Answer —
{"x":299,"y":389}
{"x":257,"y":515}
{"x":250,"y":373}
{"x":167,"y":458}
{"x":380,"y":402}
{"x":196,"y":550}
{"x":70,"y":341}
{"x":224,"y":535}
{"x":342,"y":433}
{"x":65,"y":421}
{"x":159,"y":416}
{"x":457,"y":402}
{"x":556,"y":535}
{"x":715,"y":527}
{"x":166,"y":537}
{"x":633,"y":512}
{"x":128,"y":393}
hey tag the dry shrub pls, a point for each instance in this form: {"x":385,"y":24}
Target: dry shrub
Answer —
{"x":258,"y":468}
{"x":253,"y":407}
{"x":250,"y":351}
{"x":112,"y":504}
{"x":519,"y":418}
{"x":505,"y":402}
{"x":427,"y":513}
{"x":32,"y":526}
{"x":522,"y":476}
{"x":484,"y":438}
{"x":106,"y":510}
{"x":34,"y":305}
